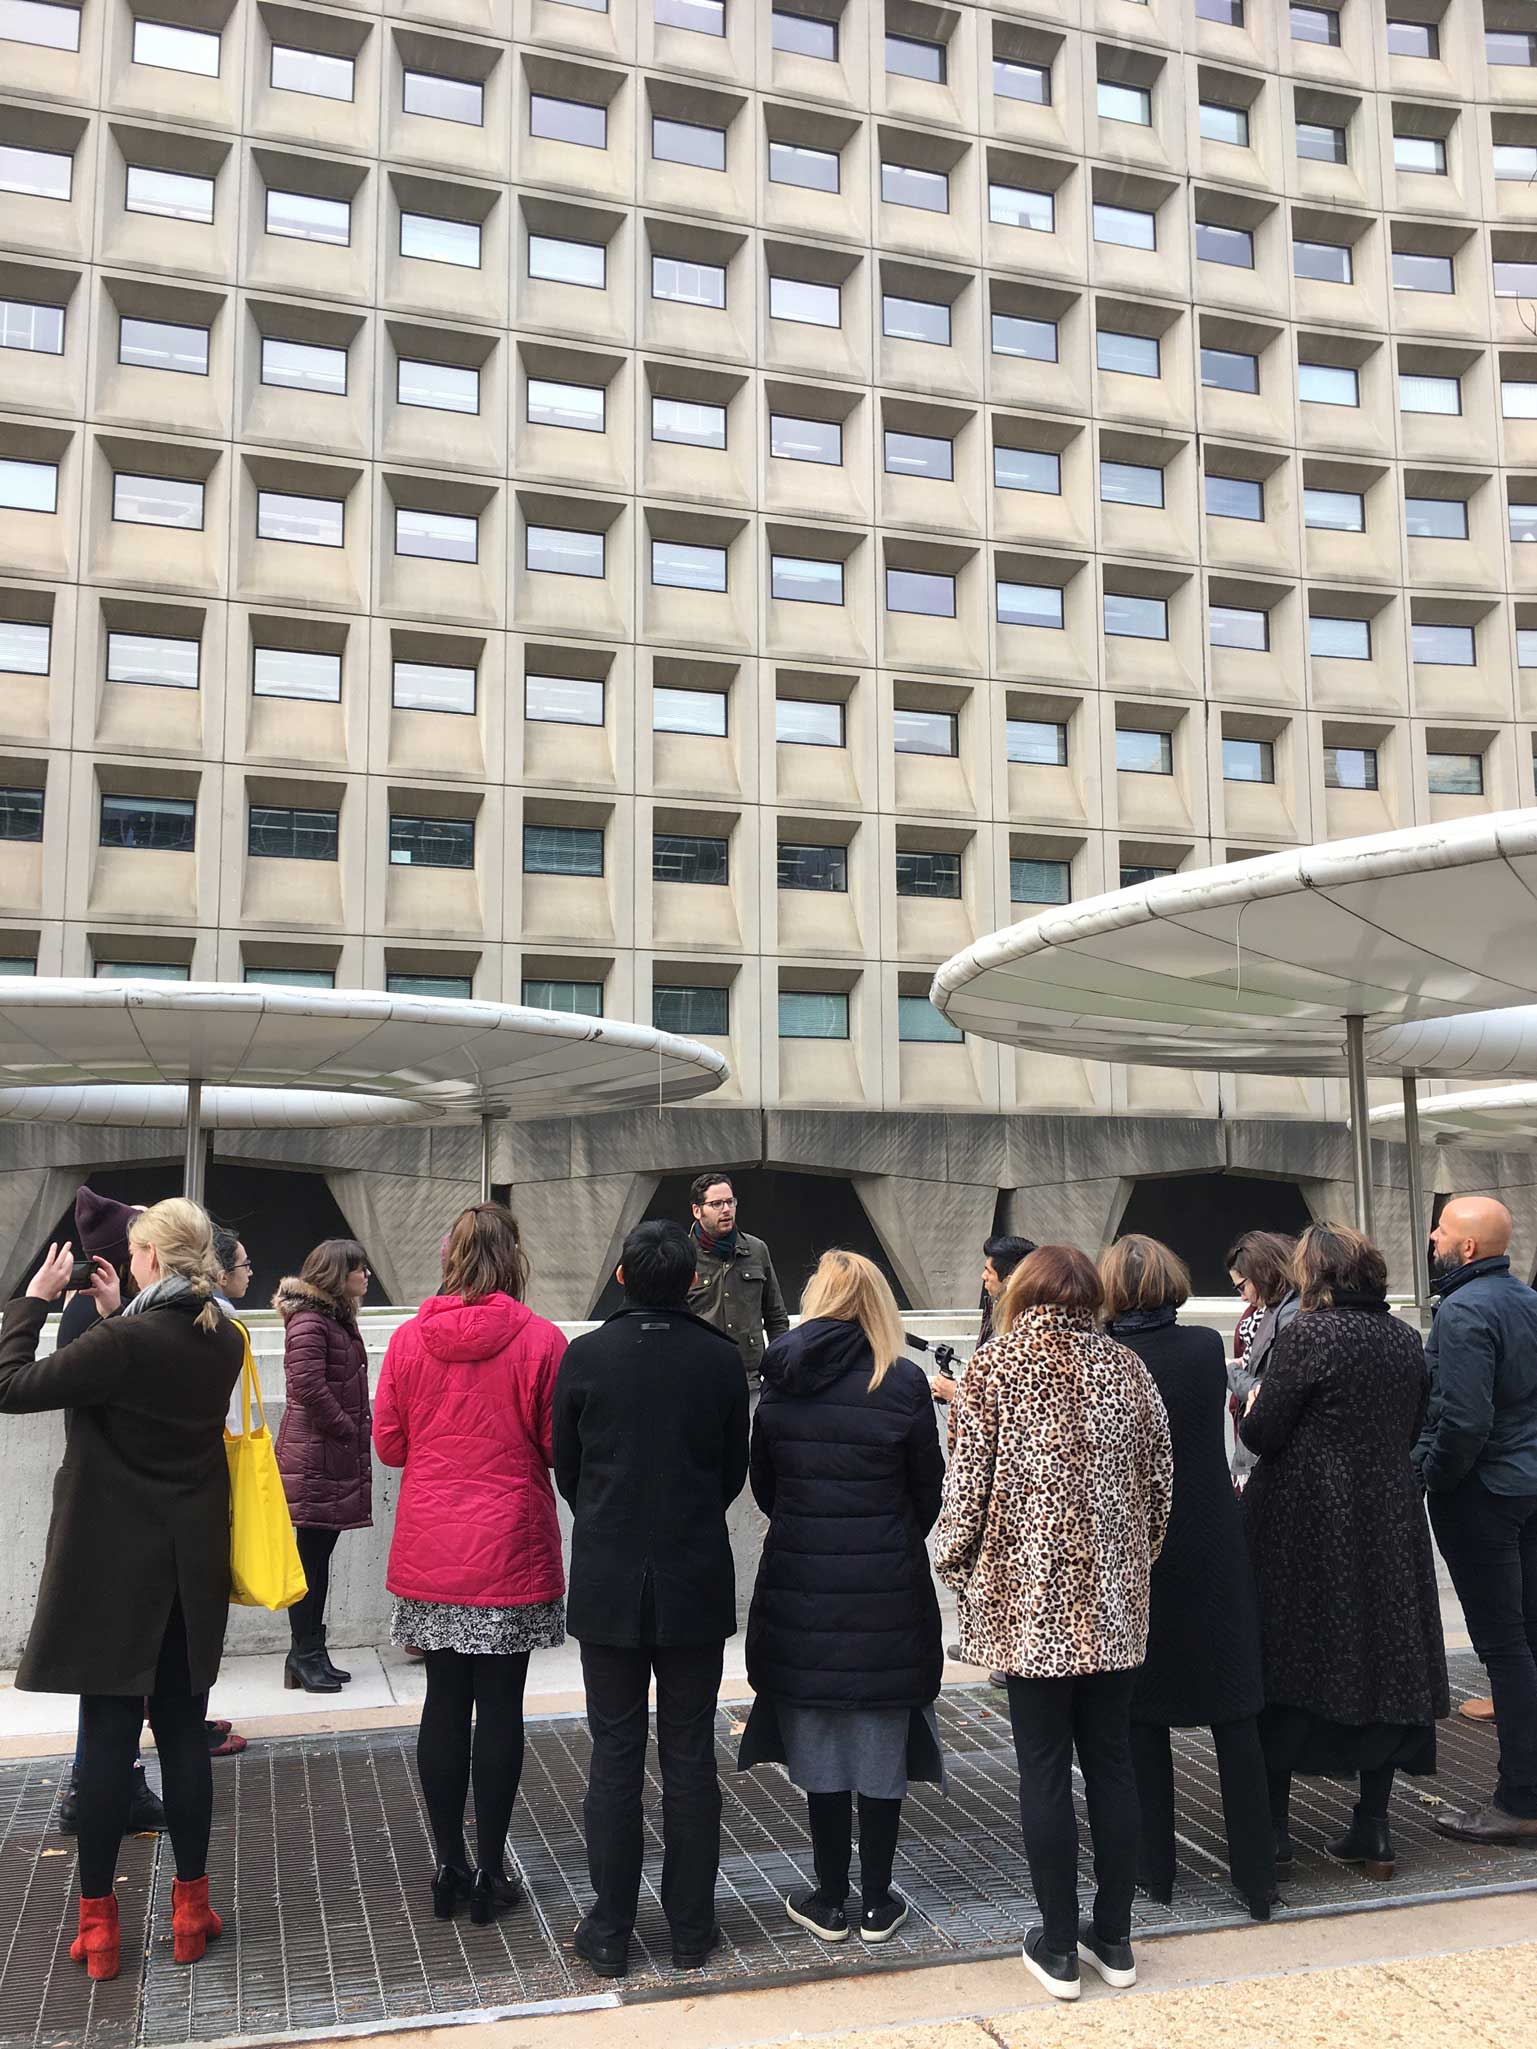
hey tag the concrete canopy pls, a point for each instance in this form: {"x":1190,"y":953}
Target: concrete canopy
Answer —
{"x":133,"y":1106}
{"x":1497,"y":1118}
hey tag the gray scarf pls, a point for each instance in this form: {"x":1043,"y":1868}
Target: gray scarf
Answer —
{"x":167,"y":1289}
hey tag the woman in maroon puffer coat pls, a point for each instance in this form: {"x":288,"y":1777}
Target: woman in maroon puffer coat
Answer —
{"x":324,"y":1446}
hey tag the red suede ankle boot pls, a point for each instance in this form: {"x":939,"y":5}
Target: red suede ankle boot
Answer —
{"x":194,"y":1924}
{"x":96,"y":1946}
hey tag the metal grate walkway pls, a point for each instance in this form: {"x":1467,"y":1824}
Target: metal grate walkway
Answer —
{"x":321,"y":1860}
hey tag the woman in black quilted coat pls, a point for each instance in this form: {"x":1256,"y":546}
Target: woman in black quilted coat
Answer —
{"x":1355,"y":1667}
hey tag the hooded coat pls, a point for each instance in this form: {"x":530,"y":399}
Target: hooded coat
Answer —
{"x":464,"y":1406}
{"x":844,"y":1613}
{"x":322,"y":1446}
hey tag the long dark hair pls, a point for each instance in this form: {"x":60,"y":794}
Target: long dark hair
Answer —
{"x":328,"y":1266}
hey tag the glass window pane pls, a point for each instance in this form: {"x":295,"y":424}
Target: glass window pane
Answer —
{"x":924,"y":732}
{"x":1522,"y":521}
{"x":927,"y":874}
{"x":562,"y":850}
{"x":578,"y":121}
{"x":807,"y":1014}
{"x":1425,"y":394}
{"x":920,"y":320}
{"x":432,"y":842}
{"x":686,"y":857}
{"x":1133,"y":355}
{"x":308,"y":71}
{"x":443,"y":99}
{"x":161,"y":345}
{"x":1328,"y":262}
{"x":1350,"y":768}
{"x":40,"y":23}
{"x":1322,"y":143}
{"x":1414,"y":38}
{"x":811,"y":867}
{"x":21,"y":814}
{"x":806,"y":580}
{"x":441,"y":387}
{"x":142,"y":971}
{"x":794,"y":298}
{"x":25,"y":647}
{"x":1215,"y":243}
{"x":39,"y":173}
{"x":1139,"y":751}
{"x":38,"y":329}
{"x":792,"y":163}
{"x":1455,"y":775}
{"x":1229,"y":370}
{"x":1129,"y":227}
{"x":1238,"y":626}
{"x":687,"y":420}
{"x":1445,"y":646}
{"x":1036,"y":340}
{"x":1514,"y":280}
{"x":1516,"y":160}
{"x":166,"y":824}
{"x":696,"y":1013}
{"x":1040,"y":882}
{"x":287,"y":672}
{"x":303,"y":217}
{"x":1221,"y":123}
{"x":1328,"y":384}
{"x":575,"y":999}
{"x":1315,"y":25}
{"x":1029,"y":604}
{"x":152,"y":658}
{"x":578,"y":406}
{"x":563,"y":700}
{"x":563,"y":551}
{"x":796,"y":440}
{"x":684,"y":565}
{"x":1510,"y":46}
{"x":918,"y":1022}
{"x":1036,"y":743}
{"x":436,"y":985}
{"x":704,"y":17}
{"x":1414,"y":273}
{"x":567,"y":263}
{"x":807,"y":722}
{"x":157,"y":501}
{"x":907,"y":185}
{"x":29,"y":486}
{"x":171,"y":193}
{"x":1136,"y":618}
{"x":1015,"y":206}
{"x":1248,"y":761}
{"x":434,"y":240}
{"x":281,"y":833}
{"x":691,"y":284}
{"x":914,"y":57}
{"x":920,"y":590}
{"x":1341,"y":512}
{"x":919,"y":455}
{"x":1027,"y":469}
{"x":314,"y":522}
{"x":1518,"y":401}
{"x":1234,"y":497}
{"x":292,"y":978}
{"x":1421,"y":153}
{"x":1526,"y":647}
{"x":304,"y":366}
{"x":1132,"y":103}
{"x":701,"y":712}
{"x":1031,"y":82}
{"x":432,"y":686}
{"x":687,"y":142}
{"x":1436,"y":519}
{"x":1130,"y":483}
{"x":804,"y":35}
{"x":168,"y":48}
{"x":1341,"y":640}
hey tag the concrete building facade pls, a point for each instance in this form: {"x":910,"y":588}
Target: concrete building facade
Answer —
{"x":696,"y":508}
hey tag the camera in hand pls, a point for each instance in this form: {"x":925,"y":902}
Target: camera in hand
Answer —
{"x":81,"y":1275}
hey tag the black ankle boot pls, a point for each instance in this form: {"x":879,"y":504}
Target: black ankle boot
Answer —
{"x":492,"y":1893}
{"x":335,"y":1671}
{"x":451,"y":1885}
{"x":1367,"y":1842}
{"x":308,"y":1668}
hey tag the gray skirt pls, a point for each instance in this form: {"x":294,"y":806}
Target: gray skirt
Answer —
{"x":873,"y":1751}
{"x":478,"y":1632}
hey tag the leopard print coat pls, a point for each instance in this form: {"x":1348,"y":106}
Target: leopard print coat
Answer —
{"x":1056,"y":1500}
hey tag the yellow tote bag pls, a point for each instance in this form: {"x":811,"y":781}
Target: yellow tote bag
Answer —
{"x":264,"y":1568}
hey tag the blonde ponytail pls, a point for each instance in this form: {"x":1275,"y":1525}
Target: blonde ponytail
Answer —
{"x":181,"y":1236}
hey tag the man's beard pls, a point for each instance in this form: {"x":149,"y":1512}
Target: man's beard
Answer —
{"x":1443,"y":1263}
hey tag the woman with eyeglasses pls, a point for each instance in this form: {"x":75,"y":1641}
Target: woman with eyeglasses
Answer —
{"x":324,"y":1446}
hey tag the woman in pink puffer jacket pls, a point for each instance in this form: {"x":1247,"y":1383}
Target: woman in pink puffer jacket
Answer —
{"x":464,"y":1408}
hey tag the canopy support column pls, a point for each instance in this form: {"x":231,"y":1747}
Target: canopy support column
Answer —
{"x":1417,"y":1222}
{"x":1360,"y":1129}
{"x":488,"y":1125}
{"x":192,"y":1173}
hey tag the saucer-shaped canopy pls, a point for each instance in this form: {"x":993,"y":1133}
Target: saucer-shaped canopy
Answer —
{"x":139,"y":1106}
{"x":1499,"y":1119}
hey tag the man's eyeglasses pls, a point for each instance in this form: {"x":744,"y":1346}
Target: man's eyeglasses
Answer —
{"x":729,"y":1203}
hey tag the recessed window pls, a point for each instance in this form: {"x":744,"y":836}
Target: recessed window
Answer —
{"x":281,"y":832}
{"x":803,"y":35}
{"x":920,"y":590}
{"x":812,"y":867}
{"x":1350,"y":768}
{"x":1130,"y":483}
{"x":1248,"y":761}
{"x":303,"y":366}
{"x":40,"y":23}
{"x":690,"y":421}
{"x":303,"y":217}
{"x":1315,"y":25}
{"x":795,"y":298}
{"x":165,"y":47}
{"x":919,"y":455}
{"x":925,"y":732}
{"x":1229,"y":370}
{"x":1027,"y":469}
{"x":439,"y":536}
{"x":432,"y":842}
{"x":309,"y":71}
{"x":288,"y":672}
{"x":563,"y":551}
{"x":793,"y":163}
{"x":1526,"y":647}
{"x":26,"y":648}
{"x":1328,"y":384}
{"x":808,"y":722}
{"x":1510,"y":46}
{"x":438,"y":985}
{"x":806,"y":579}
{"x":1133,"y":355}
{"x":140,"y":971}
{"x":1522,"y":521}
{"x":695,"y":1012}
{"x":1340,"y":640}
{"x":1217,"y":243}
{"x":919,"y":1023}
{"x":1141,"y":751}
{"x":1442,"y":646}
{"x":312,"y":522}
{"x":1339,"y":512}
{"x":563,"y":700}
{"x":1239,"y":626}
{"x":793,"y":439}
{"x":813,"y":1014}
{"x":562,"y":850}
{"x":175,"y":195}
{"x":1436,"y":519}
{"x":439,"y":387}
{"x":432,"y":239}
{"x":916,"y":57}
{"x":563,"y":262}
{"x":157,"y":501}
{"x":1222,"y":123}
{"x":1029,"y":82}
{"x":907,"y":185}
{"x":1327,"y":263}
{"x":1035,"y":340}
{"x":690,"y":284}
{"x":1040,"y":882}
{"x":292,"y":978}
{"x":578,"y":406}
{"x":688,"y":142}
{"x":38,"y":173}
{"x":701,"y":713}
{"x":1415,"y":273}
{"x":919,"y":320}
{"x":1514,"y":280}
{"x":29,"y":486}
{"x":1421,"y":153}
{"x":1016,"y":206}
{"x":432,"y":686}
{"x":578,"y":121}
{"x":164,"y":825}
{"x":1234,"y":497}
{"x":1134,"y":618}
{"x":704,"y":17}
{"x":1029,"y":604}
{"x":152,"y":658}
{"x":1517,"y":160}
{"x":1322,"y":143}
{"x":1413,"y":38}
{"x":37,"y":329}
{"x":21,"y":814}
{"x":1036,"y":743}
{"x":928,"y":875}
{"x":1133,"y":103}
{"x":1128,"y":227}
{"x":572,"y":999}
{"x":684,"y":565}
{"x":690,"y":857}
{"x":443,"y":99}
{"x":1455,"y":775}
{"x":1419,"y":393}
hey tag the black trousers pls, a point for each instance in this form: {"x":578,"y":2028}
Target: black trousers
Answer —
{"x":483,"y":1694}
{"x":1051,"y":1718}
{"x":109,"y":1741}
{"x":1245,"y":1807}
{"x":687,"y":1688}
{"x":1489,"y":1542}
{"x":306,"y":1618}
{"x":831,"y":1816}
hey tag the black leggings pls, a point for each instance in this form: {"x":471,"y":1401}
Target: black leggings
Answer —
{"x":110,"y":1725}
{"x":832,"y":1830}
{"x":306,"y":1618}
{"x":490,"y":1688}
{"x":1376,"y":1791}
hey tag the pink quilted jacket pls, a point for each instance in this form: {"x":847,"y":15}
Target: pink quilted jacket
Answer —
{"x":464,"y":1406}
